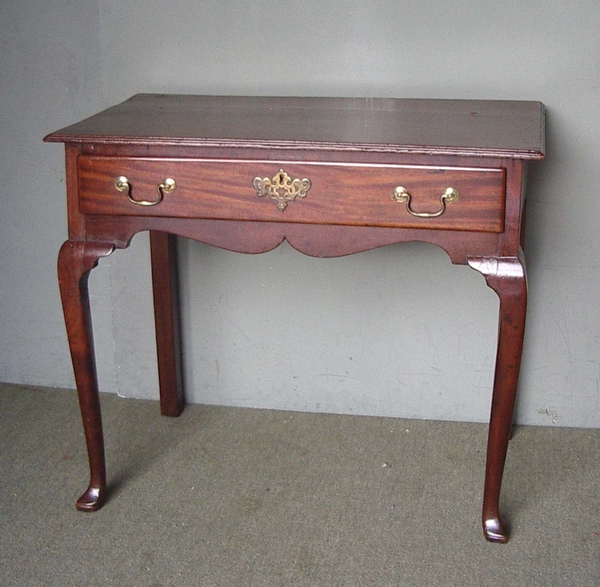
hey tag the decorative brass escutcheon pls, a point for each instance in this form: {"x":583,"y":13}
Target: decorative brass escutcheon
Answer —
{"x":281,"y":188}
{"x":166,"y":187}
{"x":401,"y":195}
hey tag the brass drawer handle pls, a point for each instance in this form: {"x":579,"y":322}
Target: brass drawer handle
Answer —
{"x":281,"y":188}
{"x":401,"y":195}
{"x":166,"y":187}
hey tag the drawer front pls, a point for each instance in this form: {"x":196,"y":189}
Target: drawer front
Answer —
{"x":315,"y":193}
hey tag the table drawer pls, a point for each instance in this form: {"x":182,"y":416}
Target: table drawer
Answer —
{"x":315,"y":193}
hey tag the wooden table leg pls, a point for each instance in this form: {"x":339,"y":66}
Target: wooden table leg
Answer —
{"x":507,"y":278}
{"x":163,"y":253}
{"x":75,"y":260}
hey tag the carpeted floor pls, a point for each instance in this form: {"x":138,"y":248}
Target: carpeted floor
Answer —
{"x":234,"y":497}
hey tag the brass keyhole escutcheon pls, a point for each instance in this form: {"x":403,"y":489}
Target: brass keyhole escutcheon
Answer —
{"x":281,"y":188}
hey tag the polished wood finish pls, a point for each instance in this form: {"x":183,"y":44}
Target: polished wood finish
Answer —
{"x":163,"y":254}
{"x":75,"y":260}
{"x":507,"y":278}
{"x":480,"y":128}
{"x":349,"y":194}
{"x":355,"y":152}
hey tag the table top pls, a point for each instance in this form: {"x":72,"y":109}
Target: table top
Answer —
{"x":488,"y":128}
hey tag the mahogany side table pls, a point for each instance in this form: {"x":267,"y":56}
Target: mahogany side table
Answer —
{"x":332,"y":176}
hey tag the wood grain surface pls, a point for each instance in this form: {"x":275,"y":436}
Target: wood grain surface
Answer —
{"x":470,"y":127}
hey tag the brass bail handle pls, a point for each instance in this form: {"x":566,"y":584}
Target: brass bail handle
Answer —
{"x":166,"y":187}
{"x":401,"y":195}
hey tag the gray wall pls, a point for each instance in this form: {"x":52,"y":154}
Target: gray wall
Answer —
{"x":283,"y":330}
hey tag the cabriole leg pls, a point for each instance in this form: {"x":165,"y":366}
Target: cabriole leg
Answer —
{"x":75,"y":260}
{"x":506,"y":276}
